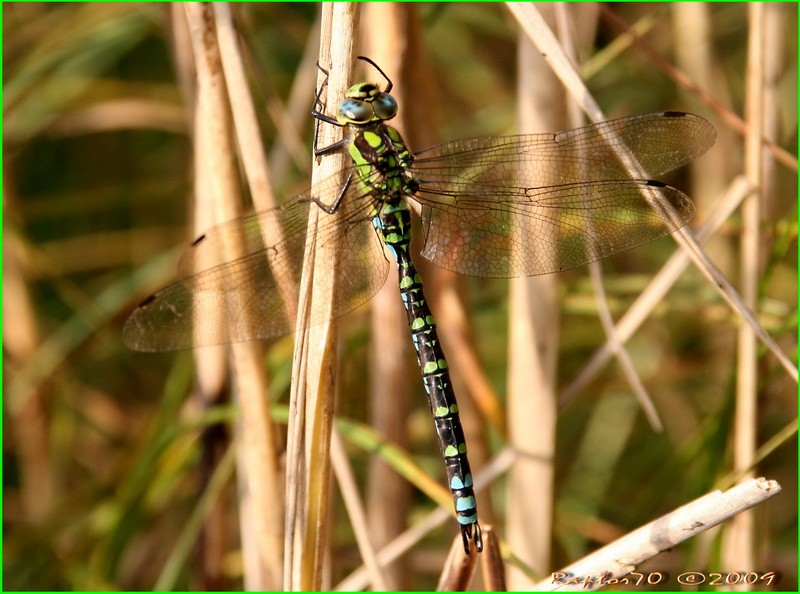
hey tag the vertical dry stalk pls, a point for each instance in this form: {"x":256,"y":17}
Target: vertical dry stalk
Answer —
{"x":219,"y":199}
{"x":314,"y":366}
{"x":25,"y":401}
{"x":692,"y":27}
{"x":262,"y":513}
{"x":533,"y":338}
{"x":538,"y":32}
{"x":210,"y":127}
{"x":388,"y":494}
{"x":739,"y":539}
{"x":775,"y":63}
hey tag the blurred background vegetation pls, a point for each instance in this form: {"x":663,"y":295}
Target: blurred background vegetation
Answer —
{"x":101,"y":450}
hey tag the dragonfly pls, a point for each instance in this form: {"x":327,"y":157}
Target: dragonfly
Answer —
{"x":496,"y":207}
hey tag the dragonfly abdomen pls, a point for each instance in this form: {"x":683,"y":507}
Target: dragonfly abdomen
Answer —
{"x":394,"y":225}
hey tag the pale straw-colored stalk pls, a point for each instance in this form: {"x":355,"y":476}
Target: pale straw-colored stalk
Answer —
{"x":261,"y":516}
{"x":219,"y":199}
{"x":533,"y":341}
{"x":621,"y":557}
{"x":537,"y":30}
{"x":314,"y":366}
{"x":739,"y":538}
{"x":388,"y":494}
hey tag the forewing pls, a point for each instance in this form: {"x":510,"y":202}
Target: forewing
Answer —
{"x":535,"y":204}
{"x":659,"y":142}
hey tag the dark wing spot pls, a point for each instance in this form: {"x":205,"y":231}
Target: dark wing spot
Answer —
{"x":199,"y":239}
{"x":147,"y":300}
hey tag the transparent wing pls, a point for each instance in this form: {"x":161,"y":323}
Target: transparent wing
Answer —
{"x":240,"y":280}
{"x":535,"y":204}
{"x":660,"y":142}
{"x":507,"y":206}
{"x":492,"y":232}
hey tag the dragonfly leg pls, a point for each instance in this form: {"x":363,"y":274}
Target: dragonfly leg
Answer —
{"x":336,"y":146}
{"x":318,"y":113}
{"x":332,"y":208}
{"x":319,"y":116}
{"x":318,"y":106}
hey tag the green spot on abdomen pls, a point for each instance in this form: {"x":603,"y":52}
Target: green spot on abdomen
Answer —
{"x":393,"y":238}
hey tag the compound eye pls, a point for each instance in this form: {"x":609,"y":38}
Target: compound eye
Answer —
{"x":355,"y":111}
{"x":385,"y":106}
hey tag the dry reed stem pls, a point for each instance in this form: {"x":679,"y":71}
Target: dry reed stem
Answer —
{"x":259,"y":457}
{"x":219,"y":199}
{"x":622,"y":556}
{"x":738,"y":539}
{"x":210,"y":126}
{"x":249,"y":141}
{"x":388,"y":494}
{"x":540,"y":34}
{"x":533,"y":344}
{"x":354,"y":506}
{"x":655,"y":291}
{"x":314,"y":365}
{"x":250,"y":144}
{"x":694,"y":55}
{"x":458,"y":568}
{"x":775,"y":63}
{"x":359,"y":579}
{"x":492,"y":567}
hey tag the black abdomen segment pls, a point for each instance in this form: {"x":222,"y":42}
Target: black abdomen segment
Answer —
{"x":394,"y":225}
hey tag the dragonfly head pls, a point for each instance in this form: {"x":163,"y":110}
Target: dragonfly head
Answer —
{"x":366,"y":103}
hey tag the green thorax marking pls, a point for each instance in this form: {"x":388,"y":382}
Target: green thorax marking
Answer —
{"x":382,"y":161}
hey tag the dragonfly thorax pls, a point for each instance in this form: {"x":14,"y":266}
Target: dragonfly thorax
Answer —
{"x":382,"y":162}
{"x":366,"y":103}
